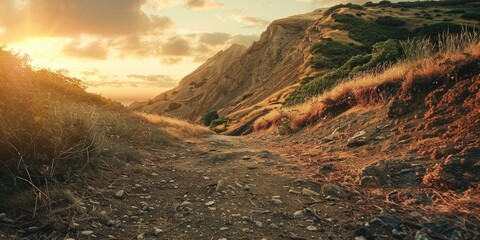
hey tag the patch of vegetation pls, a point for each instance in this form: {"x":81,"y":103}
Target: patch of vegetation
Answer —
{"x":471,"y":16}
{"x":247,"y":95}
{"x":367,"y":32}
{"x":209,"y":117}
{"x":433,"y":30}
{"x":383,"y":52}
{"x":336,"y":7}
{"x":390,"y":21}
{"x":331,"y":54}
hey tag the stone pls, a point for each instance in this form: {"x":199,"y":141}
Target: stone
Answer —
{"x":277,"y":201}
{"x":265,"y":154}
{"x":421,"y":235}
{"x":110,"y":223}
{"x":385,"y":221}
{"x":291,"y":191}
{"x":224,"y":228}
{"x":334,"y":190}
{"x":399,"y":234}
{"x":210,"y":203}
{"x":357,"y":140}
{"x":298,"y":214}
{"x":157,"y":231}
{"x":141,"y":236}
{"x":259,"y":224}
{"x":312,"y":228}
{"x":120,"y":194}
{"x":246,"y":158}
{"x":86,"y":233}
{"x":246,"y":188}
{"x":185,"y":203}
{"x":3,"y":215}
{"x":308,"y":192}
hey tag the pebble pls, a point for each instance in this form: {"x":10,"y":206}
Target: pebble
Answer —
{"x":246,"y":158}
{"x":110,"y":223}
{"x":298,"y":214}
{"x":3,"y":215}
{"x":308,"y":192}
{"x":210,"y":203}
{"x":140,"y":236}
{"x":259,"y":224}
{"x":312,"y":228}
{"x":360,"y":238}
{"x":69,"y":239}
{"x":87,"y":233}
{"x":273,"y":225}
{"x":223,"y":228}
{"x":246,"y":188}
{"x":157,"y":231}
{"x":185,"y":203}
{"x":120,"y":194}
{"x":291,"y":191}
{"x":277,"y":201}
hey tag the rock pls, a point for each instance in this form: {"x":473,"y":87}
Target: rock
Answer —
{"x":210,"y":203}
{"x":120,"y":194}
{"x":157,"y":231}
{"x":110,"y":223}
{"x":308,"y":192}
{"x":421,"y":235}
{"x":334,"y":190}
{"x":119,"y":225}
{"x":3,"y":215}
{"x":276,"y":201}
{"x":185,"y":203}
{"x":273,"y":226}
{"x":392,"y":173}
{"x":259,"y":224}
{"x":312,"y":228}
{"x":291,"y":191}
{"x":399,"y":234}
{"x":69,"y":239}
{"x":86,"y":233}
{"x":363,"y":234}
{"x":359,"y":139}
{"x":385,"y":221}
{"x":224,"y":228}
{"x":265,"y":154}
{"x":298,"y":214}
{"x":219,"y":185}
{"x":360,"y":238}
{"x":246,"y":158}
{"x":141,"y":236}
{"x":457,"y":172}
{"x":246,"y":188}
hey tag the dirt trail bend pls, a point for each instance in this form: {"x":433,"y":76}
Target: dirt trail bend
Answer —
{"x":217,"y":187}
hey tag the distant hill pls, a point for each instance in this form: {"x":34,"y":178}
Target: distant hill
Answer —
{"x":301,"y":56}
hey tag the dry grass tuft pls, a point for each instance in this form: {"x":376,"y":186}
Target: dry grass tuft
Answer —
{"x":173,"y":126}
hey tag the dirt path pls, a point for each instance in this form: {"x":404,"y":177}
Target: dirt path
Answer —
{"x":215,"y":188}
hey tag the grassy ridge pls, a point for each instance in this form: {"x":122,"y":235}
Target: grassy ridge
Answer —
{"x":334,"y":60}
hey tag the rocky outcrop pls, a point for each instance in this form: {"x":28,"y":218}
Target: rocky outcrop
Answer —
{"x":239,"y":80}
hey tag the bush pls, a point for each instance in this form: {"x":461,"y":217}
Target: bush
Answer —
{"x":471,"y":16}
{"x":331,"y":54}
{"x":367,"y":32}
{"x":390,"y":21}
{"x":217,"y":122}
{"x":336,"y":7}
{"x":209,"y":117}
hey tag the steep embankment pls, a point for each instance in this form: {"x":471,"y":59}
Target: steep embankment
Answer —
{"x":301,"y":56}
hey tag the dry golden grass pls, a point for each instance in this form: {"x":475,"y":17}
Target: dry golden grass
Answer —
{"x":175,"y":127}
{"x":372,"y":88}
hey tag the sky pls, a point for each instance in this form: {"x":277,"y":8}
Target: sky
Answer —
{"x":132,"y":50}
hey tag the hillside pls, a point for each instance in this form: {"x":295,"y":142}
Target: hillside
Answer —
{"x":301,"y":56}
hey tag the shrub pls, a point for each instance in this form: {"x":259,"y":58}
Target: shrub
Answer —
{"x":331,"y":54}
{"x":336,"y":7}
{"x":390,"y":21}
{"x":209,"y":117}
{"x":367,"y":32}
{"x":471,"y":16}
{"x":217,"y":122}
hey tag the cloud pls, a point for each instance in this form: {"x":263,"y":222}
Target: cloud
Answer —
{"x":93,"y":50}
{"x":251,"y":21}
{"x":134,"y":80}
{"x":202,"y":4}
{"x":69,"y":18}
{"x":177,"y":46}
{"x":91,"y":72}
{"x":327,"y":3}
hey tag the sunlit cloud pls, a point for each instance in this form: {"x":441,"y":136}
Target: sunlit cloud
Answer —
{"x":251,"y":21}
{"x":202,"y":4}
